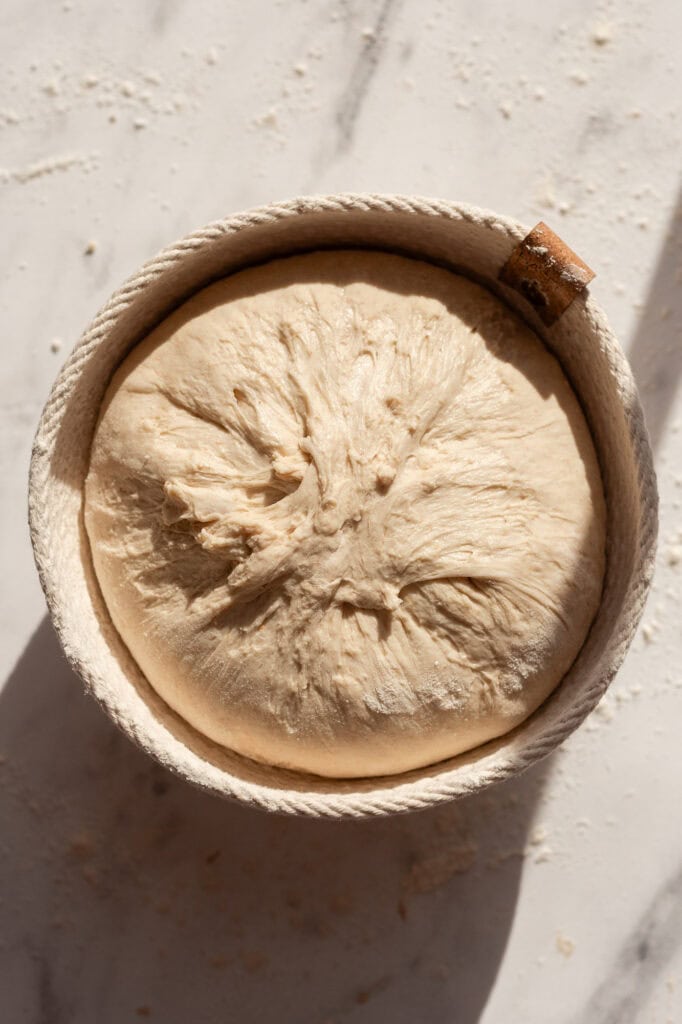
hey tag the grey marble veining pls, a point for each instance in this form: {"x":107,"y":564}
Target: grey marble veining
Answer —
{"x":641,"y":959}
{"x":372,"y":44}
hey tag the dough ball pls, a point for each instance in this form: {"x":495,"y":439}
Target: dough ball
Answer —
{"x":346,"y":514}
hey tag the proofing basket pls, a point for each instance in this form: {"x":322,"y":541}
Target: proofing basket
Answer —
{"x":469,"y":240}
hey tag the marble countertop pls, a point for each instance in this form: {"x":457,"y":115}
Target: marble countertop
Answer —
{"x":126,"y":895}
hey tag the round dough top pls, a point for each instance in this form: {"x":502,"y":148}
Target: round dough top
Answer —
{"x":346,"y":515}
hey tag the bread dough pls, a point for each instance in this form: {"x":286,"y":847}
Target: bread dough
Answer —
{"x":345,"y":512}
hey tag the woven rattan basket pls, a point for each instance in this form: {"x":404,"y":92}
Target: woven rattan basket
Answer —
{"x":470,"y":240}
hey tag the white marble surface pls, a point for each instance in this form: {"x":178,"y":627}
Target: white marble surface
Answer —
{"x":124,"y":894}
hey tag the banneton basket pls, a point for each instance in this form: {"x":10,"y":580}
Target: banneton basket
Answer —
{"x":466,"y":239}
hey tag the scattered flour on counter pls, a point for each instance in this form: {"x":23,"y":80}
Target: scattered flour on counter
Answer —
{"x":82,"y":846}
{"x":648,"y":632}
{"x":448,"y":850}
{"x":537,"y":846}
{"x":564,"y":945}
{"x":267,"y":120}
{"x":538,"y":836}
{"x":602,"y":34}
{"x":253,"y":960}
{"x":50,"y":165}
{"x":605,"y":708}
{"x":545,"y":196}
{"x":502,"y":856}
{"x":438,"y":867}
{"x":674,"y":554}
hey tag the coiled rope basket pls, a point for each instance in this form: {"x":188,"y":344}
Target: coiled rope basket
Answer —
{"x":463,"y":238}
